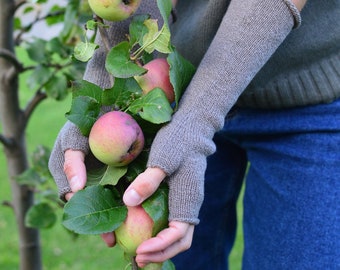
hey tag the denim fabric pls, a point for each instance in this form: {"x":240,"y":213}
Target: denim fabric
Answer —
{"x":291,"y":201}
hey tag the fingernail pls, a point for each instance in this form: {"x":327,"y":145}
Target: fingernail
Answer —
{"x":75,"y":183}
{"x":132,"y":198}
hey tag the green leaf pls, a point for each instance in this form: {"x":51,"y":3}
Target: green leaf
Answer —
{"x":153,"y":107}
{"x":84,"y":112}
{"x":137,"y":29}
{"x":30,"y":177}
{"x":39,"y":77}
{"x":36,"y":51}
{"x":157,"y":208}
{"x":95,"y":175}
{"x":168,"y":265}
{"x":181,"y":73}
{"x":56,"y":87}
{"x":156,"y":40}
{"x":165,"y":7}
{"x":84,"y":51}
{"x":137,"y":166}
{"x":112,"y":175}
{"x":94,"y":210}
{"x":40,"y":158}
{"x":123,"y":92}
{"x":86,"y":88}
{"x":40,"y":216}
{"x":119,"y":64}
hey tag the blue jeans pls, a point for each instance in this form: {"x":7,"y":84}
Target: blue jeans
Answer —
{"x":291,"y":201}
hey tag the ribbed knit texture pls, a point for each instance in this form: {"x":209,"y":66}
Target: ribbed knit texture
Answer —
{"x":69,"y":136}
{"x":248,"y":35}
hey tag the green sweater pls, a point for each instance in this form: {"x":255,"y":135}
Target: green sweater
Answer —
{"x":303,"y":70}
{"x":247,"y":54}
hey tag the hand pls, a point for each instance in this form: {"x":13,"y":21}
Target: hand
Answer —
{"x":167,"y":244}
{"x":75,"y":171}
{"x":170,"y":241}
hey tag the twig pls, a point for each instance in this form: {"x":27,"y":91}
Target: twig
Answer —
{"x":7,"y":142}
{"x":8,"y":204}
{"x":105,"y":39}
{"x":134,"y":265}
{"x":33,"y":103}
{"x":10,"y":56}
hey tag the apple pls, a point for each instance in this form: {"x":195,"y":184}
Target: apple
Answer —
{"x":114,"y":10}
{"x":158,"y":75}
{"x":136,"y":228}
{"x":116,"y":138}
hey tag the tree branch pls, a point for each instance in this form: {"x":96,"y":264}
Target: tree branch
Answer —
{"x":7,"y":142}
{"x":10,"y":56}
{"x":33,"y":103}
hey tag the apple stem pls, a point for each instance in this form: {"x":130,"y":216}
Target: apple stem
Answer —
{"x":105,"y":38}
{"x":134,"y":265}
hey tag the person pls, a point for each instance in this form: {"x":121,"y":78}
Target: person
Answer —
{"x":263,"y":103}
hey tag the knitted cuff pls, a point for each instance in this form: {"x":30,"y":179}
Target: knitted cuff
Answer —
{"x":249,"y":34}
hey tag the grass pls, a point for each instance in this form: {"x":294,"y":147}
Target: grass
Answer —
{"x":59,"y":249}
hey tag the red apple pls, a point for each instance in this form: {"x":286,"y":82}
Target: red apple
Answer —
{"x":114,"y":10}
{"x":136,"y":228}
{"x":157,"y":76}
{"x":116,"y":139}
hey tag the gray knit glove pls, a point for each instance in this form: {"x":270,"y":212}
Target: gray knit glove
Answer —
{"x":69,"y":136}
{"x":250,"y":32}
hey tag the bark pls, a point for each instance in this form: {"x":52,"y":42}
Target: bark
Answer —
{"x":13,"y":122}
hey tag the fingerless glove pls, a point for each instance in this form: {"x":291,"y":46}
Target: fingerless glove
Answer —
{"x":69,"y":136}
{"x":249,"y":33}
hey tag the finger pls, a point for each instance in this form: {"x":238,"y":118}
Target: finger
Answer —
{"x":68,"y":196}
{"x":75,"y":170}
{"x":109,"y":239}
{"x":143,"y":186}
{"x":167,"y":244}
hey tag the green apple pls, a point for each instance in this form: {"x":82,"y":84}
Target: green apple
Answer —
{"x":116,"y":139}
{"x":114,"y":10}
{"x":158,"y":75}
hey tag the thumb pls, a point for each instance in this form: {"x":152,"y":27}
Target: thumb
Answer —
{"x":75,"y":170}
{"x":143,"y":186}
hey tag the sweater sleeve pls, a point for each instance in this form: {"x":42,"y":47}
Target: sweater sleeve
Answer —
{"x":69,"y":136}
{"x":248,"y":35}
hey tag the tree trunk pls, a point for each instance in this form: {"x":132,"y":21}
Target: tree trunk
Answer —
{"x":13,"y":138}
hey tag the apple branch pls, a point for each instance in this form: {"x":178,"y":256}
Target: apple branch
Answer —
{"x":7,"y":142}
{"x":10,"y":56}
{"x":105,"y":39}
{"x":33,"y":103}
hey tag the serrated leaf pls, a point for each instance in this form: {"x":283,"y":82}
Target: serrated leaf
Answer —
{"x":95,"y":175}
{"x":119,"y":64}
{"x":40,"y":216}
{"x":156,"y":40}
{"x":40,"y":158}
{"x":84,"y":112}
{"x":137,"y":166}
{"x":165,"y":7}
{"x":39,"y":77}
{"x":153,"y":107}
{"x":122,"y":93}
{"x":157,"y":208}
{"x":30,"y":177}
{"x":84,"y":51}
{"x":181,"y":73}
{"x":112,"y":175}
{"x":36,"y":51}
{"x":56,"y":87}
{"x":86,"y":88}
{"x":94,"y":210}
{"x":137,"y":29}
